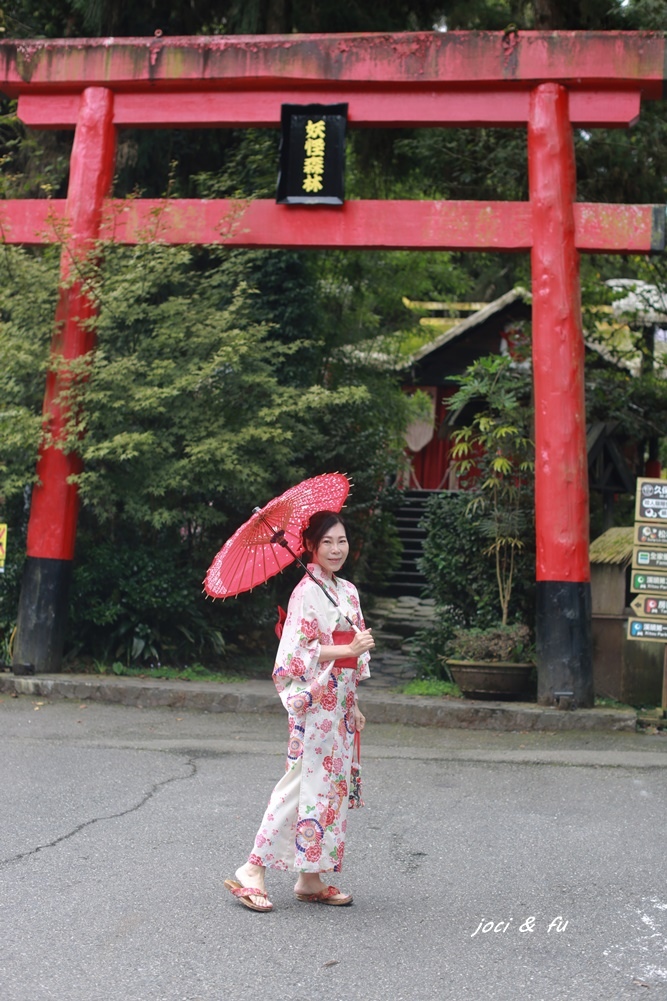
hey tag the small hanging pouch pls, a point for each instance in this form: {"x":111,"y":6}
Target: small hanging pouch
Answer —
{"x":342,"y":637}
{"x":355,"y":800}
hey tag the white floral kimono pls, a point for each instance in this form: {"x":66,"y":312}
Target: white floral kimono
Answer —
{"x":304,"y":825}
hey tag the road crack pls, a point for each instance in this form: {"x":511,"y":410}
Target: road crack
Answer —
{"x":153,"y":791}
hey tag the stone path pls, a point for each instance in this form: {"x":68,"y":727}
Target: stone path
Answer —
{"x":395,"y":622}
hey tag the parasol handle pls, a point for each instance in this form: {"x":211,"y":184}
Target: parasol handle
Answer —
{"x":278,"y":538}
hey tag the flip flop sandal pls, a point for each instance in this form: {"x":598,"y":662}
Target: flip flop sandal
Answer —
{"x":325,"y":896}
{"x":243,"y":892}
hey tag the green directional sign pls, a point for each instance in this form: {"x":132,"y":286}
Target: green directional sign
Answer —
{"x":649,"y":606}
{"x":644,"y":582}
{"x":650,"y":631}
{"x":649,"y":558}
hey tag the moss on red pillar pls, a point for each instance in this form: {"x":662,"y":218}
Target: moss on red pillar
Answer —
{"x":561,"y":468}
{"x":54,"y":507}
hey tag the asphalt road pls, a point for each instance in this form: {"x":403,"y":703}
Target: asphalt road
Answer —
{"x":504,"y":866}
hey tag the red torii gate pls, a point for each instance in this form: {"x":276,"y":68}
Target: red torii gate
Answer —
{"x":546,"y":81}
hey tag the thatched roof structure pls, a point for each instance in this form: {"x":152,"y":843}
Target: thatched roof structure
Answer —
{"x":613,"y":546}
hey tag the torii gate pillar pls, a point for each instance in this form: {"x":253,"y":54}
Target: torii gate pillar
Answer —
{"x":42,"y":613}
{"x":563,"y":590}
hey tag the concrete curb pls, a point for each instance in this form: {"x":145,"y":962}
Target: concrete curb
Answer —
{"x":260,"y":697}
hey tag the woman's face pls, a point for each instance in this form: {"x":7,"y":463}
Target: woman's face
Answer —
{"x":333,"y":549}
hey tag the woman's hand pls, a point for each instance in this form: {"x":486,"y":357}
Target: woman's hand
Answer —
{"x":359,"y":718}
{"x":362,"y":643}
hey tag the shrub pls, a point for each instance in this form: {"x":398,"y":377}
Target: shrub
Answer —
{"x":139,"y":603}
{"x":500,"y":643}
{"x":459,"y":576}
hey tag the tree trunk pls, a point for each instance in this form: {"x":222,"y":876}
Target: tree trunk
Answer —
{"x":277,"y":17}
{"x":554,"y":15}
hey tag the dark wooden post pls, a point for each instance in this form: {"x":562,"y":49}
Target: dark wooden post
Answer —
{"x":564,"y":645}
{"x":42,"y":613}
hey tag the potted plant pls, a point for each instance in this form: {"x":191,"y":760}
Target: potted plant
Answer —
{"x":496,"y":661}
{"x":493,"y":456}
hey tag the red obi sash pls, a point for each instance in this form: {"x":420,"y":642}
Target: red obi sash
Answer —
{"x":342,"y":637}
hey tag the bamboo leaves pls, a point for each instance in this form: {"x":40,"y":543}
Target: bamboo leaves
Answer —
{"x":494,"y":455}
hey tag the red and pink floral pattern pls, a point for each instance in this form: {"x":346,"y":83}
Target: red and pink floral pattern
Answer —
{"x":304,"y":825}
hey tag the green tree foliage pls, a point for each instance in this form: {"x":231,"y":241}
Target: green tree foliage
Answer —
{"x":494,"y":454}
{"x":457,"y":571}
{"x":28,"y":292}
{"x":182,"y":395}
{"x":76,"y":18}
{"x":187,"y":415}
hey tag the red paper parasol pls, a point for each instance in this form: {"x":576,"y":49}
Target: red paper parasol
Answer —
{"x":271,"y":539}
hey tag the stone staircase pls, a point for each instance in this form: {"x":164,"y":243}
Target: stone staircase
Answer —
{"x":408,"y":580}
{"x":402,"y":611}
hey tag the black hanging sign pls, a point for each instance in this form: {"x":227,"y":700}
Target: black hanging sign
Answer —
{"x":312,"y":154}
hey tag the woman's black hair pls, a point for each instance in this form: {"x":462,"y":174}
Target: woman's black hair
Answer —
{"x":318,"y":526}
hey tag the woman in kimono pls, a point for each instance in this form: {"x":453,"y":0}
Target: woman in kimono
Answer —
{"x":303,"y":828}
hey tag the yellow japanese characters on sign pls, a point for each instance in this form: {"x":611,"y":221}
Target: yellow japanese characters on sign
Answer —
{"x":312,"y":154}
{"x":3,"y":547}
{"x":313,"y":164}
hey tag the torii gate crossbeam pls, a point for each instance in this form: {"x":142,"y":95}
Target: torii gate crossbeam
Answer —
{"x":547,"y":82}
